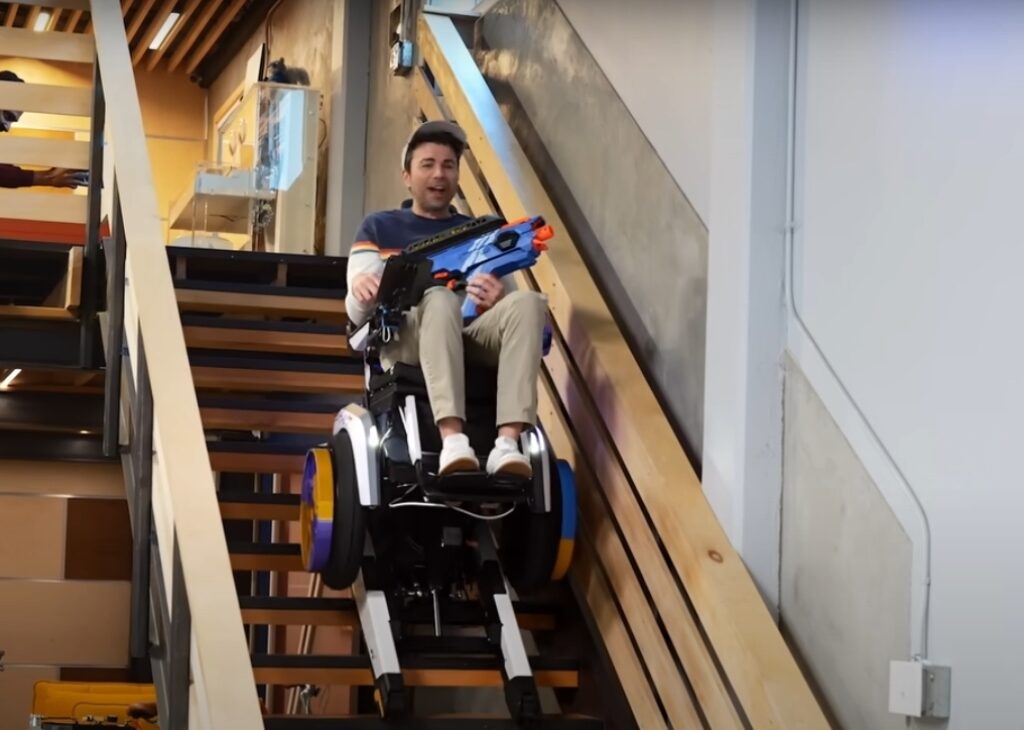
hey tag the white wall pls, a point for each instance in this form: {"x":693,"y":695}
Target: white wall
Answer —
{"x":657,"y":55}
{"x":907,"y":266}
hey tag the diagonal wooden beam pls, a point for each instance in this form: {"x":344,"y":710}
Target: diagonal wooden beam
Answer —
{"x":209,"y":10}
{"x":73,"y":21}
{"x":214,"y":35}
{"x":12,"y":13}
{"x":154,"y":27}
{"x":33,"y":15}
{"x":54,"y":19}
{"x":183,"y":21}
{"x":138,"y":19}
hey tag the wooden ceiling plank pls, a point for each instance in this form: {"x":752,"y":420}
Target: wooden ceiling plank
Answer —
{"x":193,"y":34}
{"x":186,"y":16}
{"x":33,"y":15}
{"x":213,"y":36}
{"x":12,"y":13}
{"x":152,"y":30}
{"x":54,"y":19}
{"x":73,"y":21}
{"x":138,"y":19}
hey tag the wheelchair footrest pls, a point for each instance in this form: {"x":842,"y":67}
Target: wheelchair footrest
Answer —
{"x":478,"y":486}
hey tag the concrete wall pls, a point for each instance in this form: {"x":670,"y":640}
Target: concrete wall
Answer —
{"x":637,"y":231}
{"x":658,"y":57}
{"x":907,"y":306}
{"x":845,"y":565}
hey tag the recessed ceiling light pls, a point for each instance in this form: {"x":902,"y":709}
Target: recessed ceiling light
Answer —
{"x":42,"y":20}
{"x":10,"y":376}
{"x":165,"y":29}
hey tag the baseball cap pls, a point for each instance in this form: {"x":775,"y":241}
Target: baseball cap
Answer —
{"x":434,"y":127}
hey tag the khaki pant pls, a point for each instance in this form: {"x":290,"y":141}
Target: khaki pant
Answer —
{"x":509,"y":336}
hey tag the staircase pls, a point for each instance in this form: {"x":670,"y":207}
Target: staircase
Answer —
{"x":268,"y":354}
{"x":49,"y":239}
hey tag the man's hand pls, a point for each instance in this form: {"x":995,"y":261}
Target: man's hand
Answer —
{"x":485,"y":290}
{"x":56,"y":177}
{"x":364,"y":287}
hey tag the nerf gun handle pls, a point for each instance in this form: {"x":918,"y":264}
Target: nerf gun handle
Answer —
{"x":498,"y":267}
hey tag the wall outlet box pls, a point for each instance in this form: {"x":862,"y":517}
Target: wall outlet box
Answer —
{"x":919,"y":689}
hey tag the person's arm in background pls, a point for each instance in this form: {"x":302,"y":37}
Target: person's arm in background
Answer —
{"x":365,"y":266}
{"x":12,"y":176}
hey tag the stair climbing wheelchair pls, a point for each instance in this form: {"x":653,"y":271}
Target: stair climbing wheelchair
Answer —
{"x":376,"y":516}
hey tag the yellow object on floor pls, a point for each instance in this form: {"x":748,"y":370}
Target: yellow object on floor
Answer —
{"x":100,"y":700}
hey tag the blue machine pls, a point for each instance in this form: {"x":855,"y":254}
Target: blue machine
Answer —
{"x":483,"y":246}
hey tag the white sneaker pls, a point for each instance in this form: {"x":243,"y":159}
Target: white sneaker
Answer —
{"x":506,"y":458}
{"x":457,"y":455}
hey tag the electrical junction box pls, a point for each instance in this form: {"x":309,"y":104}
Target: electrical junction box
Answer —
{"x":919,"y":689}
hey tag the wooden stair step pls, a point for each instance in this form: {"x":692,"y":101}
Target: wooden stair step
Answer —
{"x":417,"y":671}
{"x":446,"y":722}
{"x":256,"y":457}
{"x":329,"y":309}
{"x":268,"y":381}
{"x":241,"y":335}
{"x":255,"y":506}
{"x":271,"y":420}
{"x":46,"y":98}
{"x":51,"y":207}
{"x":282,"y":557}
{"x":297,"y":611}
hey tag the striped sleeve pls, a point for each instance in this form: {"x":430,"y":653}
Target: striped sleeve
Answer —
{"x":363,"y":258}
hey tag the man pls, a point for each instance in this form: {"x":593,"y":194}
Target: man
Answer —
{"x":12,"y":176}
{"x":508,"y":333}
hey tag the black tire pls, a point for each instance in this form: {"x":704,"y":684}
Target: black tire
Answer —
{"x":349,"y":530}
{"x":530,"y":540}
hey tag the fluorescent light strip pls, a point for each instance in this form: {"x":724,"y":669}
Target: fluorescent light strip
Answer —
{"x":164,"y":31}
{"x":10,"y":377}
{"x":42,"y":20}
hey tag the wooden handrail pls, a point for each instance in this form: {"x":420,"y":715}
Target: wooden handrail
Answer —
{"x":594,"y":365}
{"x":185,"y":508}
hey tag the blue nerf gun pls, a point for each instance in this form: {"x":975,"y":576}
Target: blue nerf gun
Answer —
{"x":482,"y":246}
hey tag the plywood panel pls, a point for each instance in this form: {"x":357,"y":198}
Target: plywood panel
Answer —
{"x":31,"y":537}
{"x":35,"y":477}
{"x":16,"y":693}
{"x":78,"y":48}
{"x":47,"y":98}
{"x":36,"y":206}
{"x":48,"y":152}
{"x":65,"y":622}
{"x":99,"y":540}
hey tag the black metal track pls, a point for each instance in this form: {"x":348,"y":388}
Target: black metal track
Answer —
{"x":260,"y":447}
{"x":235,"y":287}
{"x":258,"y":498}
{"x":216,"y":321}
{"x":314,"y":404}
{"x":347,"y":661}
{"x":264,"y":548}
{"x":274,"y":361}
{"x":374,"y":722}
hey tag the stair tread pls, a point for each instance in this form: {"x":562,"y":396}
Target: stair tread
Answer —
{"x":302,"y":259}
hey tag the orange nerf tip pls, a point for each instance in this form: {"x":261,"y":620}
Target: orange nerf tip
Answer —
{"x":545,"y":233}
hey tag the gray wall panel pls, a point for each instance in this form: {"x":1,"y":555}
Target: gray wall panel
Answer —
{"x":644,"y":243}
{"x":845,"y":597}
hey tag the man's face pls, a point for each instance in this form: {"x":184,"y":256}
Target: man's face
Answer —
{"x":8,"y":118}
{"x":433,"y":176}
